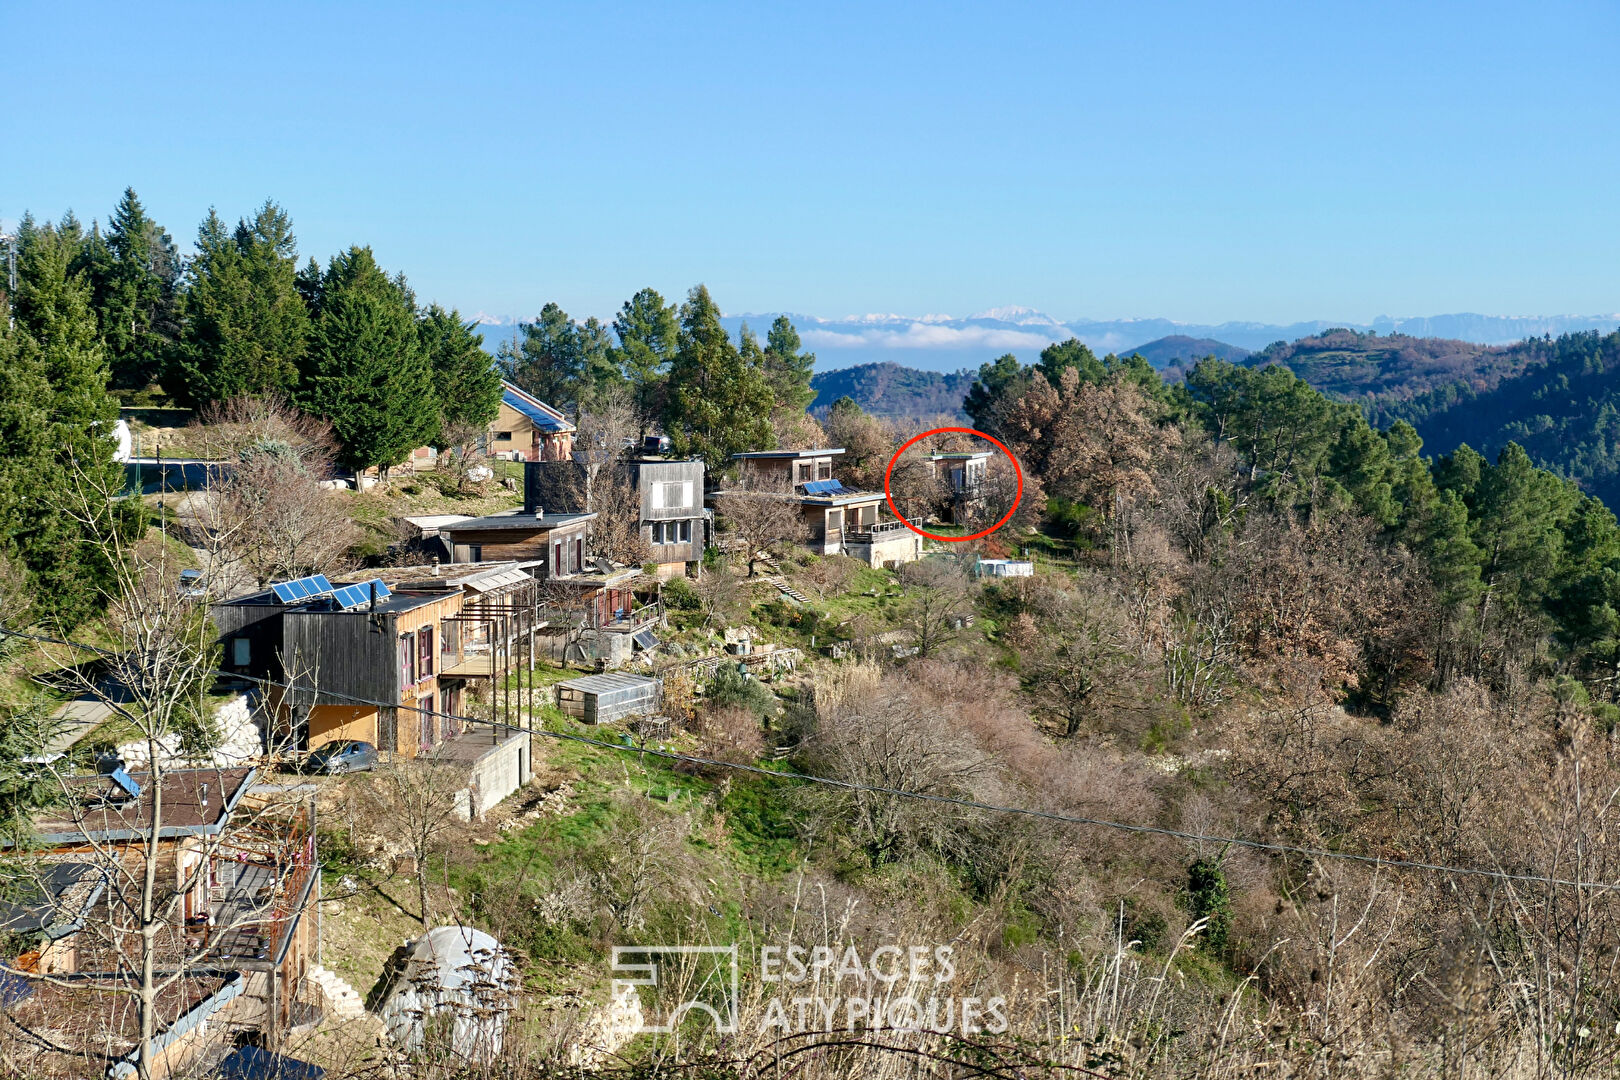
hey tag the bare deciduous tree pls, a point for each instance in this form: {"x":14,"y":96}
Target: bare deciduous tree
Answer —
{"x":939,"y":597}
{"x":422,"y":802}
{"x":267,"y":501}
{"x":757,"y":517}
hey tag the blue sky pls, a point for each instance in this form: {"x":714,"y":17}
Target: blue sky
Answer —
{"x":1203,"y":162}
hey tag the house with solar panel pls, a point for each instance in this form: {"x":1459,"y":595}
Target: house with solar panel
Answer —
{"x":370,"y":663}
{"x":527,"y":429}
{"x":237,"y":924}
{"x":840,"y":520}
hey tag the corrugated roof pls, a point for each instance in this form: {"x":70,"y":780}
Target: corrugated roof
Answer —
{"x":601,"y":684}
{"x":484,"y":583}
{"x":544,"y":416}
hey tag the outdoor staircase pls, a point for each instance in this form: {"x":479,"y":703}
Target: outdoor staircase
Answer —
{"x":787,"y":590}
{"x":341,"y":999}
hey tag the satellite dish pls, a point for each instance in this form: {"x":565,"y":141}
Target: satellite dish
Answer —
{"x":603,"y":565}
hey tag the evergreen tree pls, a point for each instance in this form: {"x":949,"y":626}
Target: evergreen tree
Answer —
{"x":58,"y":432}
{"x":1000,"y":382}
{"x":1073,"y":353}
{"x":648,"y":335}
{"x":466,"y":383}
{"x":719,"y":404}
{"x":788,"y":370}
{"x":1517,"y":521}
{"x":245,"y":324}
{"x":366,"y":370}
{"x":135,"y":295}
{"x":546,"y":359}
{"x":598,"y":362}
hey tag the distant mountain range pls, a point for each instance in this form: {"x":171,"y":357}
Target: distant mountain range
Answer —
{"x":949,"y":343}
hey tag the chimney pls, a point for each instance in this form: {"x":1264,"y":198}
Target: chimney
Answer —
{"x":435,"y":566}
{"x":533,"y":483}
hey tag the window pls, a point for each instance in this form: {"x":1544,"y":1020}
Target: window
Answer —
{"x":556,"y":558}
{"x":241,"y":652}
{"x":686,"y":532}
{"x":503,"y":436}
{"x":579,"y":553}
{"x":824,"y":470}
{"x":424,"y":651}
{"x":801,"y":472}
{"x":407,"y":659}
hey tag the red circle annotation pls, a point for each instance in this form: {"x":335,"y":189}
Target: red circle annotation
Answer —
{"x":889,"y":495}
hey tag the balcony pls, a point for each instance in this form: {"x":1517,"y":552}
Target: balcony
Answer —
{"x":881,"y":530}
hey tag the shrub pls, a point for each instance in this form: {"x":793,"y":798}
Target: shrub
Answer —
{"x":681,"y":595}
{"x":729,"y":687}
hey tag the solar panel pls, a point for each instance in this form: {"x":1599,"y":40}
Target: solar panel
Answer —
{"x":350,"y":597}
{"x":819,"y":487}
{"x":301,"y":589}
{"x":646,"y":639}
{"x":127,"y":782}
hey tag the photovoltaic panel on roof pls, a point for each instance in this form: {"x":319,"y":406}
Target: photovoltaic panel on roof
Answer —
{"x":301,"y":589}
{"x":817,"y":487}
{"x":646,"y":639}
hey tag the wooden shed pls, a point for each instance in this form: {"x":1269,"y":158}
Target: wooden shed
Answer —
{"x":602,"y":699}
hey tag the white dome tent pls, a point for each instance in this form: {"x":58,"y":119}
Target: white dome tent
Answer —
{"x":452,"y":996}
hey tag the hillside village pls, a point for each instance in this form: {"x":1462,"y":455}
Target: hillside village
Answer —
{"x":366,"y":696}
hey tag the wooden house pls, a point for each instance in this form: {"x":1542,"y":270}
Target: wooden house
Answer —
{"x":238,"y":889}
{"x":341,"y":649}
{"x":670,"y":490}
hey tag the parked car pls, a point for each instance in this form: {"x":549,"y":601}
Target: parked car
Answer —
{"x":657,"y":444}
{"x":342,"y":756}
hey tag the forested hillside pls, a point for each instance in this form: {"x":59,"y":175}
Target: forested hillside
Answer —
{"x":1562,"y":408}
{"x":1357,"y":366}
{"x":892,"y":391}
{"x":1179,"y":349}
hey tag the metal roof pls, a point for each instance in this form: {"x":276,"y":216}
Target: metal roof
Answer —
{"x":544,"y":416}
{"x":484,"y":583}
{"x":602,"y":684}
{"x":789,"y":453}
{"x":516,"y":519}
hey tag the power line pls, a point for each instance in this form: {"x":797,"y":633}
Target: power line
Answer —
{"x":947,"y":800}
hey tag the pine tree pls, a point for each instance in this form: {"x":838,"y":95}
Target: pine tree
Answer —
{"x":1000,"y":383}
{"x":546,"y":360}
{"x":719,"y":404}
{"x":245,"y":323}
{"x":466,"y":383}
{"x":788,"y":370}
{"x":366,"y":370}
{"x":599,"y":366}
{"x":648,"y":334}
{"x":134,"y":286}
{"x":58,"y":430}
